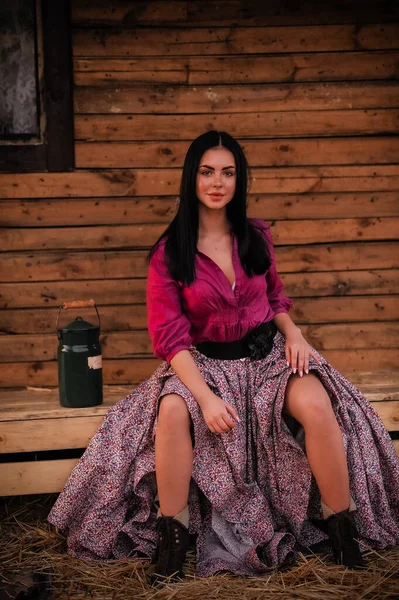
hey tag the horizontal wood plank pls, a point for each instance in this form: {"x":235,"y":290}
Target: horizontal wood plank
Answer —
{"x":352,"y":335}
{"x":63,"y":266}
{"x":64,"y":433}
{"x":129,"y":344}
{"x":236,"y":98}
{"x":340,"y":283}
{"x":131,"y":371}
{"x":256,"y":125}
{"x":134,"y":316}
{"x":100,"y":13}
{"x":45,"y":477}
{"x":44,"y":405}
{"x":104,"y":291}
{"x":186,"y":41}
{"x":208,"y":70}
{"x":125,"y":237}
{"x":127,"y":13}
{"x":362,"y":358}
{"x":45,"y":373}
{"x":110,"y":211}
{"x":260,"y":153}
{"x":47,"y":434}
{"x":133,"y":291}
{"x":35,"y":477}
{"x":165,"y":182}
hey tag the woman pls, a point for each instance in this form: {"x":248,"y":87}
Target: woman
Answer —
{"x":245,"y":435}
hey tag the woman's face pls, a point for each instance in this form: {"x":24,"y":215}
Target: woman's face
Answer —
{"x":216,"y":178}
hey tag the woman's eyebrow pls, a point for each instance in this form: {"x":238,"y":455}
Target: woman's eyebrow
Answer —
{"x":212,"y":168}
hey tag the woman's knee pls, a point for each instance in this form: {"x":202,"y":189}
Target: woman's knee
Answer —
{"x":173,"y":411}
{"x":307,"y":401}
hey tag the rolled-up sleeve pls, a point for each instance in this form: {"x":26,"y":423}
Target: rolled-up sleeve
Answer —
{"x":168,"y":326}
{"x":277,"y":300}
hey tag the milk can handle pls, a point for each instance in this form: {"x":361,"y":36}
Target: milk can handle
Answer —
{"x":78,"y":304}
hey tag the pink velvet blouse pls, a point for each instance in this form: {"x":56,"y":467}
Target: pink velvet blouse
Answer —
{"x":210,"y":309}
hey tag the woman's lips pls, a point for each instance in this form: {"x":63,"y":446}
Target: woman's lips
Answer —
{"x":216,"y":196}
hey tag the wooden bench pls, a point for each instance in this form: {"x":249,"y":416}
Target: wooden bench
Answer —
{"x":32,"y":421}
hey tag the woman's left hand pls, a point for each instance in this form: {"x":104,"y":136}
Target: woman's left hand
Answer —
{"x":297,"y":352}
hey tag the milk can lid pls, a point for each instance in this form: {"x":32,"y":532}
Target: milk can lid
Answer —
{"x":79,"y":325}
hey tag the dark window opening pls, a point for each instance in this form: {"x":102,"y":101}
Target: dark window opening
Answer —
{"x":36,"y":84}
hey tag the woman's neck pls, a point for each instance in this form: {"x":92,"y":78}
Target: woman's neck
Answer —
{"x":212,"y":223}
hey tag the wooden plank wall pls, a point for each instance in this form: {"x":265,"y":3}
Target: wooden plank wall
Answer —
{"x":311,"y":91}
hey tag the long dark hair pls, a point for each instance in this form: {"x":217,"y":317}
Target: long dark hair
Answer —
{"x":182,"y":233}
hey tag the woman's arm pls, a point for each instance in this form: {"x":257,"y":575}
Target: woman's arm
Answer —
{"x":297,"y":350}
{"x":169,"y":330}
{"x":285,"y":324}
{"x":220,"y":416}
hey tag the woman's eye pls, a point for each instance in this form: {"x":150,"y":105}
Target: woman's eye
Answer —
{"x":228,"y":173}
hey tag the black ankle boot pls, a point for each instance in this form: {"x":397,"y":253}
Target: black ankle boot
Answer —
{"x":341,"y":530}
{"x":173,"y":541}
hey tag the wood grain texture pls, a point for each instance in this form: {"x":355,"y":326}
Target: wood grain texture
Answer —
{"x":158,"y":209}
{"x":236,"y":98}
{"x":164,"y":182}
{"x":127,"y":317}
{"x":260,"y":153}
{"x":45,"y":373}
{"x":103,"y":14}
{"x":250,"y":125}
{"x":35,"y":477}
{"x":294,"y":232}
{"x":196,"y":41}
{"x":64,"y":266}
{"x":208,"y":70}
{"x":333,"y":286}
{"x":136,"y":343}
{"x":45,"y":477}
{"x":30,"y":434}
{"x":132,"y":371}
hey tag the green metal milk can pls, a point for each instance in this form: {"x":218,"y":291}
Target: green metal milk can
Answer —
{"x":80,"y":375}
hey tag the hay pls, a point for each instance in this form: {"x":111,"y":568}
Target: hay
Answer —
{"x":30,"y":544}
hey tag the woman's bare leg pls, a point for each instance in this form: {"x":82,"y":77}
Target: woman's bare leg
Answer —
{"x":173,"y":455}
{"x":308,"y":402}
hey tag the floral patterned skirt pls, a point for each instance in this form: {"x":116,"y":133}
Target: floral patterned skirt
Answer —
{"x":251,"y":489}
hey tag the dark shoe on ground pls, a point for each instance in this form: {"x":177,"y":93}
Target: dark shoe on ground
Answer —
{"x":341,"y":530}
{"x":173,"y":542}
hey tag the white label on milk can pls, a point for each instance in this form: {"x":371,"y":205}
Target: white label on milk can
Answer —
{"x":95,"y":362}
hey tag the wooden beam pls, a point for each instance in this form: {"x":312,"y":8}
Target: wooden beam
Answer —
{"x":58,"y":88}
{"x":35,"y":477}
{"x":128,"y":371}
{"x":46,"y":476}
{"x":238,"y":99}
{"x":241,"y":69}
{"x":252,"y":125}
{"x":165,"y":182}
{"x":191,"y":41}
{"x":47,"y":434}
{"x":143,"y":209}
{"x":295,"y":232}
{"x":76,"y":432}
{"x":260,"y":153}
{"x":343,"y":289}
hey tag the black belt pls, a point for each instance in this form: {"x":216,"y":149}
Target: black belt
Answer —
{"x":257,"y":344}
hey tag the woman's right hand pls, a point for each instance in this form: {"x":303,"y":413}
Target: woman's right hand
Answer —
{"x":219,"y":415}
